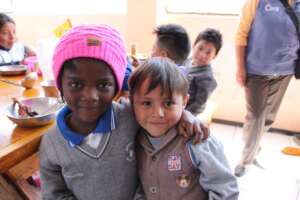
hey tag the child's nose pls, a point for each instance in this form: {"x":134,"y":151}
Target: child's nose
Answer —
{"x":202,"y":55}
{"x":159,"y":111}
{"x":12,"y":36}
{"x":90,"y":94}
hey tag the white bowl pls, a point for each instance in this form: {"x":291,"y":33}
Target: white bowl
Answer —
{"x":46,"y":107}
{"x":12,"y":70}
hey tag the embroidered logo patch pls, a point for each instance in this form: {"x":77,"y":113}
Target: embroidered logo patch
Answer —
{"x":93,"y":41}
{"x":174,"y":163}
{"x":130,"y":154}
{"x":183,"y":180}
{"x":270,"y":8}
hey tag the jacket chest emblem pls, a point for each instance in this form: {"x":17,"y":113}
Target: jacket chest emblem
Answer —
{"x":270,"y":8}
{"x":130,"y":154}
{"x":174,"y":163}
{"x":183,"y":180}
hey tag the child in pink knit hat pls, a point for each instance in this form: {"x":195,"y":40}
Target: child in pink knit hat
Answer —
{"x":89,"y":153}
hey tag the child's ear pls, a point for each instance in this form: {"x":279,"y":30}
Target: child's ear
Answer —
{"x":216,"y":53}
{"x":214,"y":56}
{"x":164,"y":53}
{"x":186,"y":99}
{"x":130,"y":99}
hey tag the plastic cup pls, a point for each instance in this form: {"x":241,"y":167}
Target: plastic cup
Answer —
{"x":45,"y":49}
{"x":50,"y":89}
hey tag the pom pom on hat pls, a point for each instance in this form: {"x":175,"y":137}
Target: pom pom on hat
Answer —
{"x":101,"y":42}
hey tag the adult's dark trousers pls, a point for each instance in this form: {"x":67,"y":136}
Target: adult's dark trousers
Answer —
{"x":264,"y":95}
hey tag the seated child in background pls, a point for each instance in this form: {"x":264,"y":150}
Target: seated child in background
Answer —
{"x":168,"y":166}
{"x":89,"y":153}
{"x":200,"y":76}
{"x":172,"y":41}
{"x":11,"y":52}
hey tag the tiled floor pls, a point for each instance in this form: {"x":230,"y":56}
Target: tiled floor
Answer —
{"x":280,"y":180}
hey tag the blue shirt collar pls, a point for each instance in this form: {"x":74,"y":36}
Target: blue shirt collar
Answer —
{"x":106,"y":124}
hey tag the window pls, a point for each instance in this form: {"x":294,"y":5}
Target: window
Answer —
{"x":205,"y":7}
{"x":6,"y":6}
{"x":69,"y":7}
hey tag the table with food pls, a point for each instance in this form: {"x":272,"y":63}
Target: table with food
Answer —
{"x":25,"y":115}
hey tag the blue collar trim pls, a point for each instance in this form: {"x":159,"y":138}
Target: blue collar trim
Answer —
{"x":105,"y":125}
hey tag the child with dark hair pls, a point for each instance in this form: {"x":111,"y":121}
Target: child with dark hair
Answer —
{"x":202,"y":82}
{"x":11,"y":52}
{"x":172,"y":41}
{"x":169,"y":167}
{"x":90,"y":153}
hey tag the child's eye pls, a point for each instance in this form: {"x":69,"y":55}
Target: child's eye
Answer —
{"x":208,"y":52}
{"x":146,"y":103}
{"x":76,"y":85}
{"x":104,"y":85}
{"x":200,"y":48}
{"x":4,"y":32}
{"x":169,"y":103}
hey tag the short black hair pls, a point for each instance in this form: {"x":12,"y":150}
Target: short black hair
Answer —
{"x":160,"y":72}
{"x":4,"y":19}
{"x":175,"y":40}
{"x":211,"y":35}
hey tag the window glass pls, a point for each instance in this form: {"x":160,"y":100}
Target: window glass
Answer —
{"x":6,"y":6}
{"x":69,"y":7}
{"x":209,"y":7}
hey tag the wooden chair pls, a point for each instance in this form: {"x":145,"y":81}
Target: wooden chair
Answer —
{"x":19,"y":174}
{"x":7,"y":190}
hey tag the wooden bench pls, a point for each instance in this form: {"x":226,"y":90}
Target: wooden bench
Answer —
{"x":19,"y":174}
{"x":7,"y":190}
{"x":207,"y":115}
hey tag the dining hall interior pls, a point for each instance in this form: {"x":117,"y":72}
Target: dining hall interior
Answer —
{"x":36,"y":23}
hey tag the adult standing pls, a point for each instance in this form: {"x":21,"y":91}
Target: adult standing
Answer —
{"x":266,"y":47}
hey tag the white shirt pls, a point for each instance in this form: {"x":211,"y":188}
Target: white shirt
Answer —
{"x":15,"y":54}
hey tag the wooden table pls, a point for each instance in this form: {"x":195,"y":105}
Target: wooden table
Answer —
{"x":16,"y":143}
{"x":18,"y":146}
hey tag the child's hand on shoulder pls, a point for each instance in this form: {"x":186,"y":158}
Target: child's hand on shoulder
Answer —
{"x":190,"y":127}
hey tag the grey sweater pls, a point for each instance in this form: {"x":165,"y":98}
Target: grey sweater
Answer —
{"x":81,"y":172}
{"x":202,"y":84}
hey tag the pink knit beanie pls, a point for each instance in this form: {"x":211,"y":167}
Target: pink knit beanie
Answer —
{"x":101,"y":42}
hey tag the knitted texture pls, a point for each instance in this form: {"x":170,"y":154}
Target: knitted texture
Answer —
{"x":101,"y":42}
